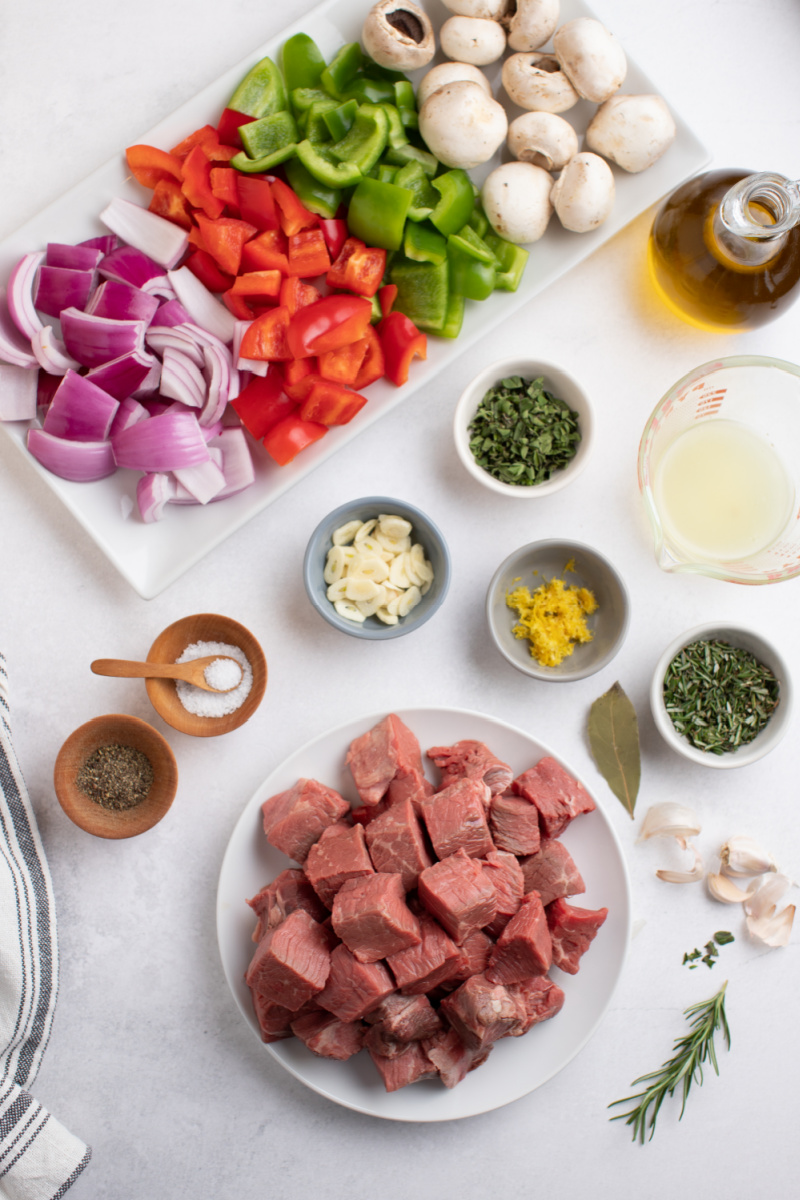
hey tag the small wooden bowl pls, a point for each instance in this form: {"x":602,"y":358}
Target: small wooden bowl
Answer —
{"x":170,"y":645}
{"x":115,"y":729}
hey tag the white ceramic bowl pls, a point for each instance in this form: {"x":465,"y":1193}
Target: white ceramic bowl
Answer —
{"x":772,"y":732}
{"x":557,"y":381}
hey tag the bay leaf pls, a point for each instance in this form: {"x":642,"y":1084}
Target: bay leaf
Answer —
{"x":614,"y":740}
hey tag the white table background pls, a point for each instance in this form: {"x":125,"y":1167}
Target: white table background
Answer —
{"x":149,"y":1060}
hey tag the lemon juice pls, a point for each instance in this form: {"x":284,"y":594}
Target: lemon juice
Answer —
{"x":722,"y":492}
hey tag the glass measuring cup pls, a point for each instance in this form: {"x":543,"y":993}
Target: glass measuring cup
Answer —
{"x":755,"y":394}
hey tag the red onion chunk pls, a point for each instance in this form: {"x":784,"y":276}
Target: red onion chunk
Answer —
{"x":104,"y":242}
{"x":161,"y":288}
{"x":80,"y":410}
{"x":129,"y":265}
{"x":82,"y":462}
{"x":237,"y":461}
{"x":75,"y":258}
{"x":171,"y":312}
{"x":202,"y":305}
{"x":130,"y":412}
{"x":96,"y":340}
{"x":162,"y":443}
{"x":62,"y":287}
{"x":18,"y":393}
{"x":153,"y":492}
{"x":20,"y":294}
{"x":122,"y":302}
{"x":14,"y":347}
{"x":181,"y":379}
{"x":205,"y":481}
{"x":46,"y":387}
{"x":159,"y":337}
{"x":122,"y":376}
{"x":148,"y":388}
{"x":156,"y":237}
{"x":217,"y":373}
{"x":51,"y":353}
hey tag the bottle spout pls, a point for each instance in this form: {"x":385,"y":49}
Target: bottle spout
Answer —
{"x":763,"y":206}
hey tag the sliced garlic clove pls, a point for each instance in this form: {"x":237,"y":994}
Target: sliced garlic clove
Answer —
{"x":346,"y":608}
{"x":397,"y":573}
{"x":394,"y":526}
{"x":765,"y":897}
{"x":370,"y":607}
{"x":669,"y":820}
{"x":335,"y":565}
{"x":743,"y":856}
{"x":692,"y":876}
{"x":410,"y":599}
{"x":369,"y":566}
{"x":364,"y":530}
{"x":388,"y":618}
{"x":337,"y":591}
{"x":772,"y":931}
{"x":361,"y":587}
{"x":392,"y":544}
{"x":723,"y":889}
{"x":345,"y":533}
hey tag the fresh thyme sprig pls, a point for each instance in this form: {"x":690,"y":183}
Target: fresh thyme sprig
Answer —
{"x":685,"y":1067}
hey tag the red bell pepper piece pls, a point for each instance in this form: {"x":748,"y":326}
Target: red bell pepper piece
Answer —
{"x":148,"y":165}
{"x":197,"y":183}
{"x":372,"y":364}
{"x":386,"y":298}
{"x":331,"y":404}
{"x":237,"y":304}
{"x":296,"y":294}
{"x":224,"y":239}
{"x":291,"y":435}
{"x":225,"y":186}
{"x":228,"y":126}
{"x":358,"y":268}
{"x":201,"y":264}
{"x":332,"y":322}
{"x":256,"y":202}
{"x":266,"y":339}
{"x":342,"y":365}
{"x":266,"y":252}
{"x":263,"y":403}
{"x":204,"y":134}
{"x":169,"y":201}
{"x":335,"y":233}
{"x":308,"y":254}
{"x":215,"y":152}
{"x":294,"y":372}
{"x":292,"y":214}
{"x":263,"y":285}
{"x":401,"y":341}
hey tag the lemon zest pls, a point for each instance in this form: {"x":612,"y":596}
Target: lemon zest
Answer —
{"x":553,"y":618}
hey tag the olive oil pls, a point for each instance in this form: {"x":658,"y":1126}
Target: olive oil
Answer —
{"x":711,"y":277}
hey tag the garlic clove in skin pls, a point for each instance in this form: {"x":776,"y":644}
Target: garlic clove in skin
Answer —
{"x":775,"y":930}
{"x":725,"y":890}
{"x":742,"y":856}
{"x":669,"y":820}
{"x":693,"y":876}
{"x":764,"y":898}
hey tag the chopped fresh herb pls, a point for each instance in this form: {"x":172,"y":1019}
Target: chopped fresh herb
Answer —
{"x":522,"y":433}
{"x":711,"y":952}
{"x":718,"y":696}
{"x":723,"y":937}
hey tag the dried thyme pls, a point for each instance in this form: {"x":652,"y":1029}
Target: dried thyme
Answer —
{"x":521,"y":433}
{"x":116,"y":777}
{"x":719,"y":696}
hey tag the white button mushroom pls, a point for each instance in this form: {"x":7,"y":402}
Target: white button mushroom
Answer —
{"x":516,"y":200}
{"x":449,"y":72}
{"x":531,"y":22}
{"x":472,"y":40}
{"x":543,"y":139}
{"x":461,"y":125}
{"x":591,"y":57}
{"x":491,"y":10}
{"x":583,"y":194}
{"x":536,"y":82}
{"x":633,"y":131}
{"x":398,"y":34}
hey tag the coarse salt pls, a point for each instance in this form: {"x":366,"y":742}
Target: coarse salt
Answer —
{"x":214,"y":704}
{"x":223,"y":674}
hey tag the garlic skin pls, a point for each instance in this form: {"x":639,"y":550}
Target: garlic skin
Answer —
{"x":763,"y":899}
{"x":669,"y":820}
{"x":692,"y":876}
{"x":742,"y":856}
{"x":772,"y":931}
{"x":725,"y":890}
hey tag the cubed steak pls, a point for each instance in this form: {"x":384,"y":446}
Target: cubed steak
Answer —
{"x":329,"y":1037}
{"x":456,"y":819}
{"x":542,"y":999}
{"x":274,"y":1021}
{"x":505,"y":875}
{"x":475,"y":951}
{"x":387,"y":751}
{"x":514,"y":824}
{"x":288,"y":891}
{"x":397,"y":843}
{"x":523,"y":948}
{"x":372,"y":918}
{"x":552,"y":872}
{"x":471,"y":760}
{"x":452,"y":1059}
{"x":422,"y":967}
{"x":339,"y":854}
{"x":572,"y":930}
{"x":482,"y":1012}
{"x":457,"y":892}
{"x":354,"y":988}
{"x":291,"y":963}
{"x":294,"y":819}
{"x":402,"y":1069}
{"x":557,"y":795}
{"x":405,"y":1018}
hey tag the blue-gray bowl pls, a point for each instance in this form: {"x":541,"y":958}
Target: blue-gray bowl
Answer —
{"x":423,"y":530}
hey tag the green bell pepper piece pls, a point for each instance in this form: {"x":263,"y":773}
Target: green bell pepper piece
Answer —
{"x":316,"y":129}
{"x":473,"y":246}
{"x":268,"y":134}
{"x":319,"y":162}
{"x":261,"y":92}
{"x":302,"y":98}
{"x":385,"y":173}
{"x":423,"y":243}
{"x":422,"y":292}
{"x":376,"y":71}
{"x":457,"y":199}
{"x":342,"y":68}
{"x":377,"y":213}
{"x":340,"y":120}
{"x":302,"y":62}
{"x":404,"y":96}
{"x":478,"y":220}
{"x":259,"y":166}
{"x":511,"y":260}
{"x":366,"y":140}
{"x":400,"y":155}
{"x":469,"y":276}
{"x":397,"y":132}
{"x":317,"y":198}
{"x":425,"y":199}
{"x":454,"y":317}
{"x":369,"y":91}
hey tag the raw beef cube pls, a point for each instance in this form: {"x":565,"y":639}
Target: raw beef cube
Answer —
{"x":452,"y":1059}
{"x":457,"y":892}
{"x":386,"y":751}
{"x":406,"y":1018}
{"x":542,"y":999}
{"x":523,"y":948}
{"x":410,"y":785}
{"x":340,"y":854}
{"x":456,"y":819}
{"x":471,"y":760}
{"x":378,"y":1041}
{"x":397,"y":1072}
{"x":514,"y":822}
{"x":275,"y":1021}
{"x":551,"y":872}
{"x":368,"y":812}
{"x":420,"y":968}
{"x":505,"y":874}
{"x":482,"y":1012}
{"x":571,"y":931}
{"x":555,"y":793}
{"x":329,"y":1037}
{"x":475,"y":951}
{"x":397,"y":844}
{"x":372,"y":918}
{"x":288,"y":891}
{"x":291,"y":962}
{"x":293,"y":820}
{"x":354,"y":988}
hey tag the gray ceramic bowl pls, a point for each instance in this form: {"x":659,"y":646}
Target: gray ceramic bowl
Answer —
{"x":423,"y":531}
{"x":772,"y":732}
{"x":548,"y":559}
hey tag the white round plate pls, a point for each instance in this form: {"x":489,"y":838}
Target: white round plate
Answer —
{"x":516,"y":1066}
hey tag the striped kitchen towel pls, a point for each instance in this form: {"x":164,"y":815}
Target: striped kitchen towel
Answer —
{"x":39,"y":1158}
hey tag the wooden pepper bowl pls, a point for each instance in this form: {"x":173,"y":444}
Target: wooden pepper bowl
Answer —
{"x":115,"y":729}
{"x":170,"y":645}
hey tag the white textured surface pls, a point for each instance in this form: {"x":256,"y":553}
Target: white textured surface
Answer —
{"x":149,"y":1060}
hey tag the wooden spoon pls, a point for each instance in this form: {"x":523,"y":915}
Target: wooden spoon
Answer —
{"x":192,"y":672}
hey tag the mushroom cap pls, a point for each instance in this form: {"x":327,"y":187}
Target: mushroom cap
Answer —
{"x":591,"y":57}
{"x":461,"y":125}
{"x":633,"y":131}
{"x":449,"y":72}
{"x":583,"y":194}
{"x":536,"y":82}
{"x":516,"y":200}
{"x":492,"y":10}
{"x":543,"y":139}
{"x":472,"y":40}
{"x":398,"y":34}
{"x":531,"y":23}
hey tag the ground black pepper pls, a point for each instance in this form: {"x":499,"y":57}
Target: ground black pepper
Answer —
{"x":116,"y":777}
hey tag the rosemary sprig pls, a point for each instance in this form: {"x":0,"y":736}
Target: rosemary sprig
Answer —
{"x":685,"y":1067}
